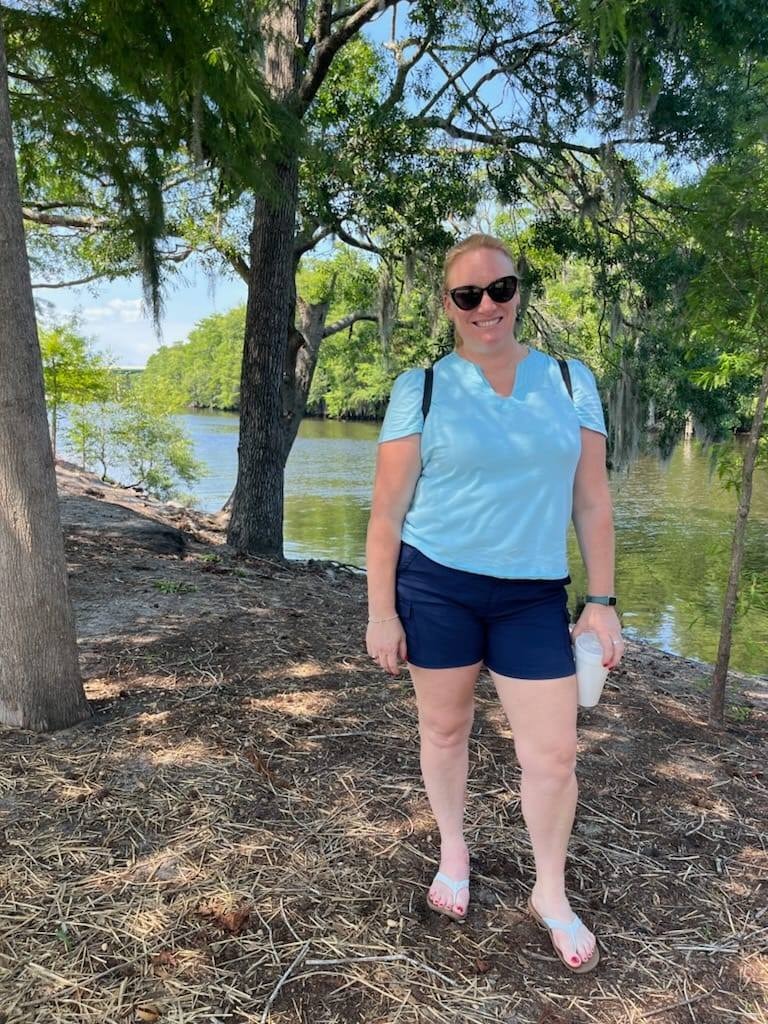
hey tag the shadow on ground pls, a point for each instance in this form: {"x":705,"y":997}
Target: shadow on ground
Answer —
{"x":240,"y":834}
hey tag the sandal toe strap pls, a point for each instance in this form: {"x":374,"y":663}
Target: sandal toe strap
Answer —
{"x":570,"y":929}
{"x":449,"y":883}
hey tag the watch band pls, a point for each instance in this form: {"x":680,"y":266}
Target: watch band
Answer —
{"x":600,"y":599}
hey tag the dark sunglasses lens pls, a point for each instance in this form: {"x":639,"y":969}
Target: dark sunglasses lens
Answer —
{"x":503,"y":290}
{"x":467,"y":297}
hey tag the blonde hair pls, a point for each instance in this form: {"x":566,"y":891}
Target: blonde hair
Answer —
{"x":476,"y":241}
{"x":470,"y":244}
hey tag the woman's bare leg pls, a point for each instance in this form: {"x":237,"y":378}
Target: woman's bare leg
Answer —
{"x":542,"y":715}
{"x":445,"y":700}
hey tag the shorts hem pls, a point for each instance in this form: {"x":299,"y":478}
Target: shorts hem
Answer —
{"x":467,"y":664}
{"x":536,"y":676}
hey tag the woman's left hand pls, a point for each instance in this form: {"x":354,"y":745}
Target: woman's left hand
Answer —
{"x":603,"y":621}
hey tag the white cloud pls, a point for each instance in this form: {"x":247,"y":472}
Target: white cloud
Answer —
{"x":126,"y":311}
{"x":133,"y":344}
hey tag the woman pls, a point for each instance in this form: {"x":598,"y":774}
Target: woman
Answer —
{"x":467,"y":566}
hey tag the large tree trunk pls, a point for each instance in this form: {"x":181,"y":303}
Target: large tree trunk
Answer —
{"x":303,"y":350}
{"x":300,"y":362}
{"x":256,"y":521}
{"x":40,"y":685}
{"x":717,"y":696}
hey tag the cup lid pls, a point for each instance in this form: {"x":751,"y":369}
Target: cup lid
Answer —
{"x":588,"y":642}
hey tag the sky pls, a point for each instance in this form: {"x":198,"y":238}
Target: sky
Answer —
{"x":112,"y":314}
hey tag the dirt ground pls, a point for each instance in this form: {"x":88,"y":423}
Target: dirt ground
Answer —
{"x":239,"y":833}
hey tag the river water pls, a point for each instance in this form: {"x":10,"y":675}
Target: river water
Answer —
{"x":674,"y":523}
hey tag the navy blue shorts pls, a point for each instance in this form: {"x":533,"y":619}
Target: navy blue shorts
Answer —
{"x":519,"y":628}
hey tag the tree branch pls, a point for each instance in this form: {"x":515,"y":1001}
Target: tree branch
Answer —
{"x":350,"y":240}
{"x":347,"y":321}
{"x":500,"y":138}
{"x":164,"y":257}
{"x":79,"y":204}
{"x":71,"y":284}
{"x":308,"y":241}
{"x":330,"y":46}
{"x":403,"y":70}
{"x":58,"y":220}
{"x":323,"y":20}
{"x":233,"y":257}
{"x":348,"y":12}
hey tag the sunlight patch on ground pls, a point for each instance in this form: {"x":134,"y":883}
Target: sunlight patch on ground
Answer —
{"x":306,"y":703}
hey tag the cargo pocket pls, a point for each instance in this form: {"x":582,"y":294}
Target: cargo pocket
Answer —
{"x":406,"y":557}
{"x":405,"y":611}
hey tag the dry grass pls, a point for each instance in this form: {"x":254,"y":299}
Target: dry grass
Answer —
{"x":240,"y":835}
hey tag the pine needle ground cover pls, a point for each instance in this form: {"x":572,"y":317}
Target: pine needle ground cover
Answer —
{"x":240,"y":833}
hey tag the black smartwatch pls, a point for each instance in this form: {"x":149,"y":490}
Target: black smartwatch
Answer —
{"x":600,"y":599}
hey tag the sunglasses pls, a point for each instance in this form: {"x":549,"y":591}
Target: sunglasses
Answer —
{"x":469,"y":296}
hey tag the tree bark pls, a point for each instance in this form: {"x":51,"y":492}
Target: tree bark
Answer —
{"x":301,"y":360}
{"x":40,"y":684}
{"x":719,"y":678}
{"x":256,"y":521}
{"x":300,"y":367}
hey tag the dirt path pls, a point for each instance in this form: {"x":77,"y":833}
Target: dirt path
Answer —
{"x":239,"y":834}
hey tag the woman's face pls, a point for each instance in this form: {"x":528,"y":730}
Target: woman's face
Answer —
{"x":490,"y":326}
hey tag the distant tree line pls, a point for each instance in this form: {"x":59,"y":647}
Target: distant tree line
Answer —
{"x":113,"y":419}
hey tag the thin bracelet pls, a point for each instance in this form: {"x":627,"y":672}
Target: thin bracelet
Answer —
{"x":376,"y":621}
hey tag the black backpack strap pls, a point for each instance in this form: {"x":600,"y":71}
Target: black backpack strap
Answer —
{"x":426,"y":400}
{"x":566,"y":372}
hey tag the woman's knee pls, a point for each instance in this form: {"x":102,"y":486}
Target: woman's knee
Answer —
{"x":445,"y":728}
{"x":555,"y":761}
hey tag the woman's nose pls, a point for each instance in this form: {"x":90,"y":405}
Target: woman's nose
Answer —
{"x":487,"y":305}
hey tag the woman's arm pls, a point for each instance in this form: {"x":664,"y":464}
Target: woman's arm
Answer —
{"x":398,"y":465}
{"x":593,"y":520}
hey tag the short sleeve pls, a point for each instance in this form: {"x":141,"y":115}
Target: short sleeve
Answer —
{"x":403,"y":416}
{"x":586,"y":399}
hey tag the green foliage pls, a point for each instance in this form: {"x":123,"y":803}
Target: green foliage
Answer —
{"x":110,"y":100}
{"x":73,"y":374}
{"x":679,"y":67}
{"x":173,"y":587}
{"x":111,"y":420}
{"x":728,"y":462}
{"x":726,"y":216}
{"x":154,"y":449}
{"x":203,"y":372}
{"x":134,"y":439}
{"x":90,"y":433}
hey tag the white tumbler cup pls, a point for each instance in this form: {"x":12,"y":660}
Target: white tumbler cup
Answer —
{"x":590,"y":671}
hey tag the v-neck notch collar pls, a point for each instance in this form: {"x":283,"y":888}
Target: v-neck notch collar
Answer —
{"x":476,"y":372}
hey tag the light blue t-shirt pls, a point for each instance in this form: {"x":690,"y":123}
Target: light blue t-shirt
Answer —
{"x":496,"y":486}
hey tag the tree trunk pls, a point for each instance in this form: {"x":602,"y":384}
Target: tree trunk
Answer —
{"x":300,"y":368}
{"x":301,"y":360}
{"x":40,"y":685}
{"x":256,"y":522}
{"x":717,"y":696}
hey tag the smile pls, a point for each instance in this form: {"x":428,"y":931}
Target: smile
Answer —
{"x":488,"y":323}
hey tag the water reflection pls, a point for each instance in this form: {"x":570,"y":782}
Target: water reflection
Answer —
{"x":673,"y":520}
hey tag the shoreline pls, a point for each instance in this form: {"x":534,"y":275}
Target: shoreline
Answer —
{"x":210,"y":528}
{"x":240,"y":829}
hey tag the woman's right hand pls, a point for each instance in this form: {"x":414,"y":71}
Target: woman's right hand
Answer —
{"x":385,"y":643}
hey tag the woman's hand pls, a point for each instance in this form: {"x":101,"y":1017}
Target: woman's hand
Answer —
{"x":603,"y":621}
{"x":385,"y":642}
